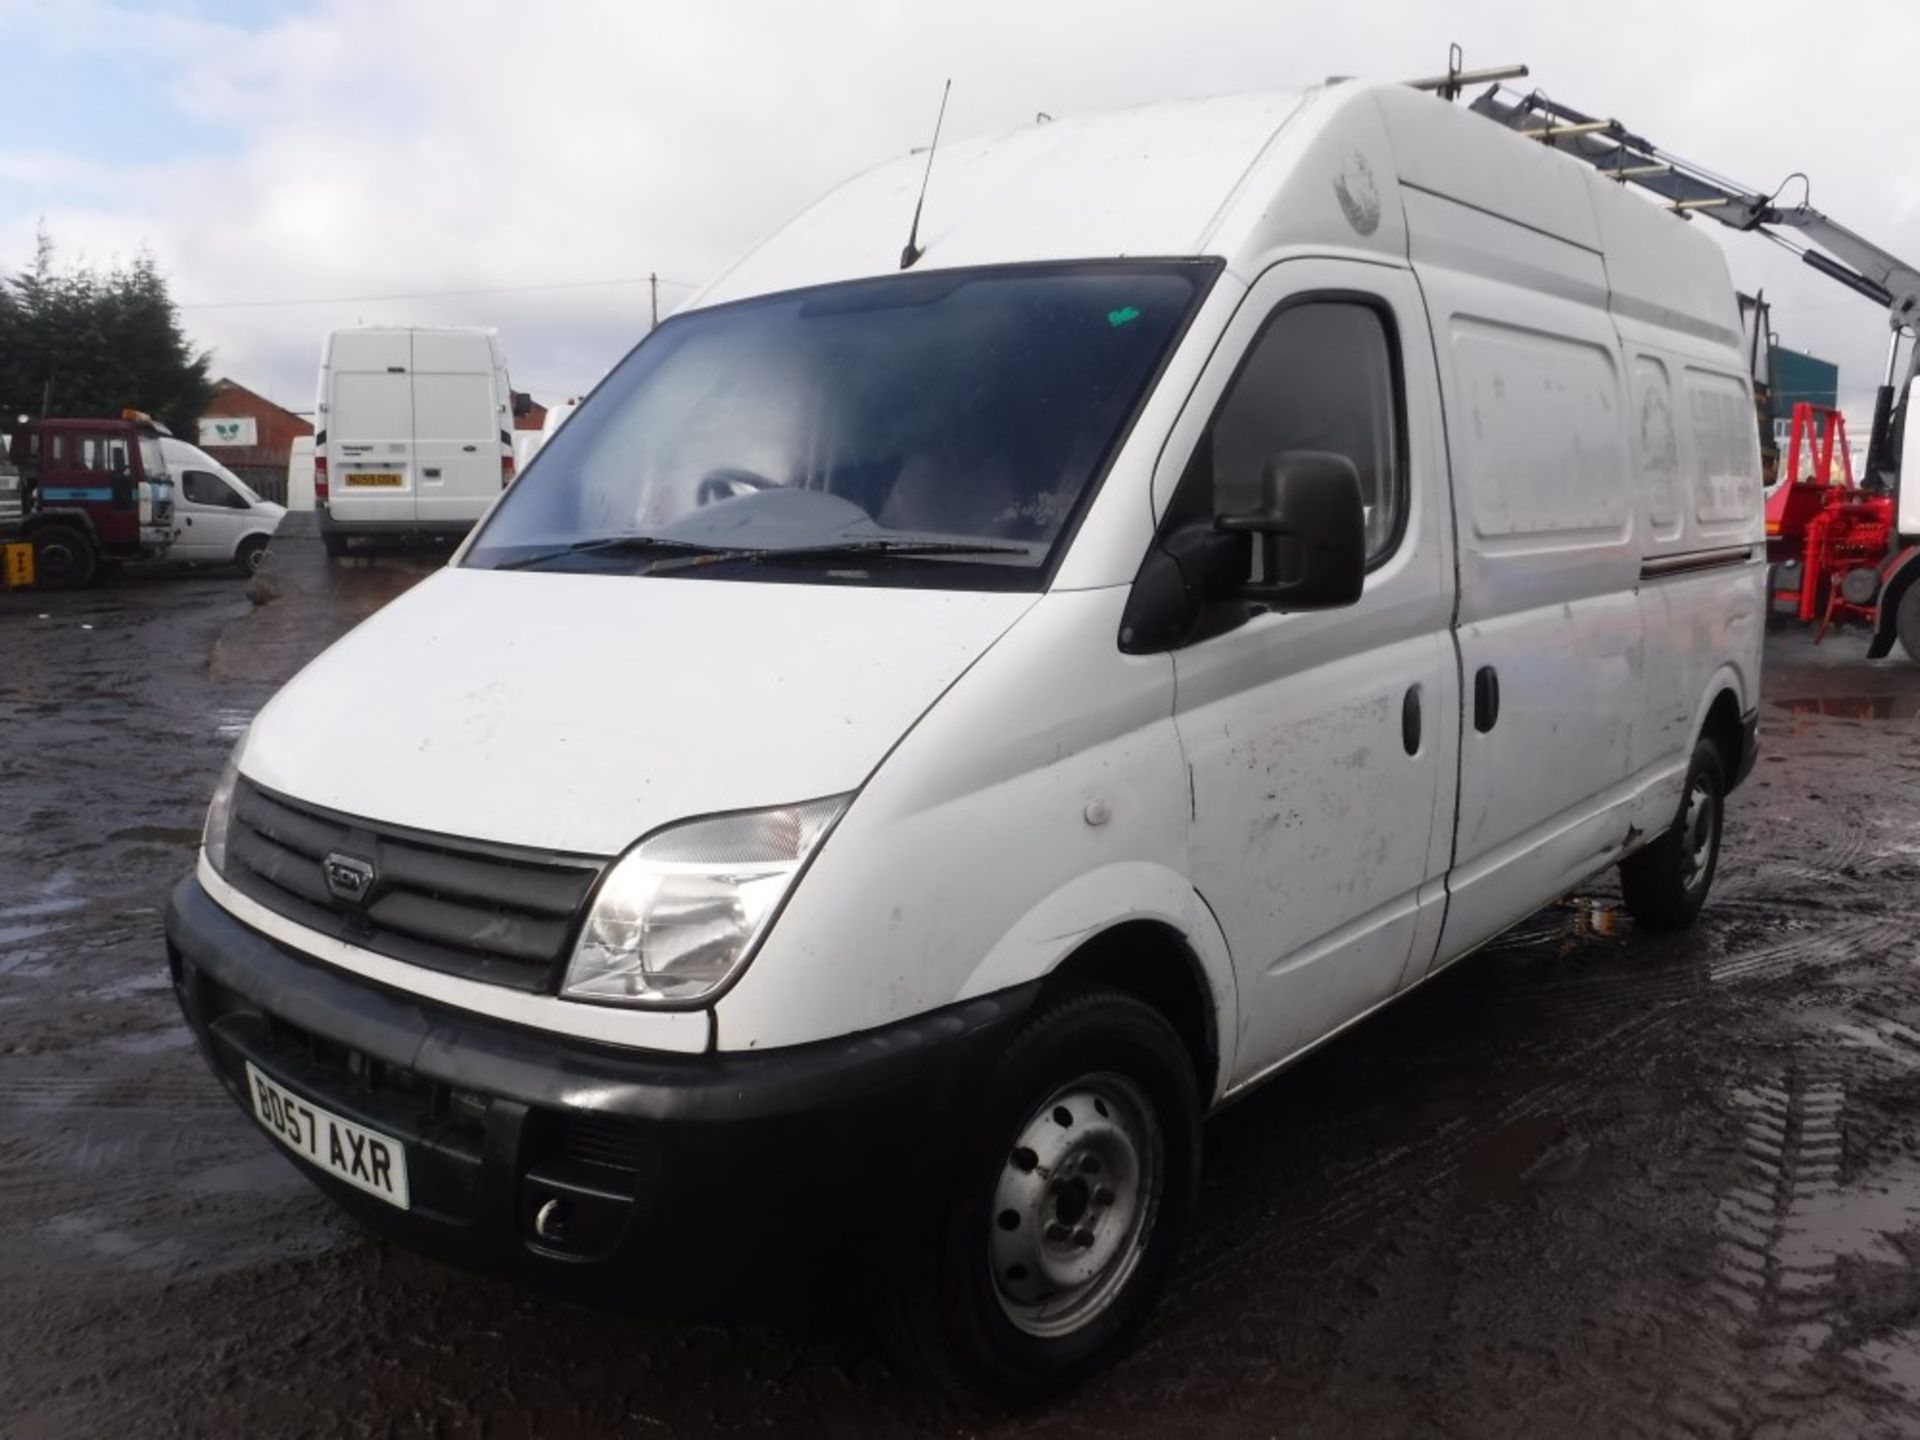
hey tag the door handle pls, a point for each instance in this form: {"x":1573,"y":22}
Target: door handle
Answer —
{"x":1486,"y":698}
{"x":432,"y":472}
{"x":1410,"y":720}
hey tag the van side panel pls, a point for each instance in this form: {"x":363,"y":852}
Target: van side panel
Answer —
{"x":1696,"y":451}
{"x":1703,"y":576}
{"x":1535,"y":398}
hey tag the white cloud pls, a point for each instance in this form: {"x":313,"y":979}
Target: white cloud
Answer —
{"x":391,"y":146}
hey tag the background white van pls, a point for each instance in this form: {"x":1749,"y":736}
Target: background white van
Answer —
{"x":217,"y":518}
{"x":415,"y":432}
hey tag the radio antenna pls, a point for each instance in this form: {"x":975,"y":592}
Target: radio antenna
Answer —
{"x":913,"y":251}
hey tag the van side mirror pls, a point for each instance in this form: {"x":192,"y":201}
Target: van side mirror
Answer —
{"x":1311,"y":528}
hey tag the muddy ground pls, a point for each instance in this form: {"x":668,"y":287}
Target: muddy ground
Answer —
{"x":1589,"y":1183}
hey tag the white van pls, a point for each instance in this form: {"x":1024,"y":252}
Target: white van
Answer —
{"x":415,"y":433}
{"x":217,"y":519}
{"x":918,"y":740}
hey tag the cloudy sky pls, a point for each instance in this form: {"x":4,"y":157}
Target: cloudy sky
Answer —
{"x":270,"y":153}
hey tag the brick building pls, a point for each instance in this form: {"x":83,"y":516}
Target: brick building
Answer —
{"x":251,"y":436}
{"x":528,"y":413}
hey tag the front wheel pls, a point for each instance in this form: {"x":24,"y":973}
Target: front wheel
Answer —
{"x":251,"y":555}
{"x":63,"y":557}
{"x":1666,"y":883}
{"x":1068,"y":1207}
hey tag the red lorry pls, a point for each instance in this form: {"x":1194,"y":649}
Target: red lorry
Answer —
{"x":91,"y":491}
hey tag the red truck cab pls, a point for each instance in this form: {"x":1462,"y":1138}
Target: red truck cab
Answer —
{"x":93,"y":490}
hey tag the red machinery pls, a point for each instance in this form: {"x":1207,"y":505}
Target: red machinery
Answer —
{"x":1838,"y":534}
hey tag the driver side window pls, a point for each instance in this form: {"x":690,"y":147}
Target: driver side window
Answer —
{"x":201,"y":488}
{"x":1321,"y":375}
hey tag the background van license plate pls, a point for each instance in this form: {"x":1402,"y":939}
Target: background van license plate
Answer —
{"x":375,"y":477}
{"x":363,"y":1158}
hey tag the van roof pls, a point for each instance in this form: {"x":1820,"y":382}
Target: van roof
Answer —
{"x":489,"y":330}
{"x":1145,"y":181}
{"x":1241,"y":177}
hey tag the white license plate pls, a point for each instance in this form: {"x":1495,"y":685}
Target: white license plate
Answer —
{"x":363,"y":1158}
{"x":386,"y":479}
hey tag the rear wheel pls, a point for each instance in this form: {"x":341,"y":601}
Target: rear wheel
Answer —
{"x":1068,"y":1208}
{"x":251,"y":554}
{"x":1666,"y":883}
{"x":63,"y":557}
{"x":1906,"y":621}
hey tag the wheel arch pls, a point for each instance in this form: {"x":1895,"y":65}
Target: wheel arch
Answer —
{"x":1901,"y":575}
{"x":1151,"y":961}
{"x":1720,"y":715}
{"x":79,"y":519}
{"x":1725,"y":725}
{"x":1141,"y":928}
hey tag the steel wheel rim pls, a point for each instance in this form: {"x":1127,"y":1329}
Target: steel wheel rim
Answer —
{"x":1074,"y":1205}
{"x":1697,"y":832}
{"x":58,"y":559}
{"x":256,"y":557}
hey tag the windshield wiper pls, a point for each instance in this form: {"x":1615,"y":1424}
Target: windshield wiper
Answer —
{"x":716,"y":555}
{"x":623,"y":545}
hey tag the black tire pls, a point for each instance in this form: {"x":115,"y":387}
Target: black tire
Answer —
{"x":63,"y":557}
{"x":336,"y":544}
{"x":1666,"y":883}
{"x":250,"y":555}
{"x":955,"y":1317}
{"x":1906,"y":621}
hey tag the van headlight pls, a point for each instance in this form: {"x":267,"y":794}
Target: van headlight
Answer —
{"x":213,"y":839}
{"x":679,"y":913}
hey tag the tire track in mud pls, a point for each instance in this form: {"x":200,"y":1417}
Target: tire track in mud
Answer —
{"x":1734,"y":1355}
{"x":1333,"y":1202}
{"x":1766,"y":1350}
{"x":90,"y":1162}
{"x":1833,"y":944}
{"x":1763,"y":1288}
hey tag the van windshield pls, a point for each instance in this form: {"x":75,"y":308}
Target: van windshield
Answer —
{"x":938,"y":429}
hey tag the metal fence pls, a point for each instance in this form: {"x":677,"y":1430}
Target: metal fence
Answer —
{"x":269,"y":482}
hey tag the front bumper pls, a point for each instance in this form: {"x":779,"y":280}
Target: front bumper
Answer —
{"x":394,"y":529}
{"x":705,"y":1184}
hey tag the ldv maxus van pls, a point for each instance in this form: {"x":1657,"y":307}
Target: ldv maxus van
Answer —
{"x":919,"y":739}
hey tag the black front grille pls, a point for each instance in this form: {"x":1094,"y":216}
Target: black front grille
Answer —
{"x":486,"y":912}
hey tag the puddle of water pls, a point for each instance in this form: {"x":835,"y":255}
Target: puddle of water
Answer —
{"x":153,"y":1042}
{"x":1861,"y":1221}
{"x":166,"y":834}
{"x":131,"y":987}
{"x":51,"y":901}
{"x":1501,"y":1163}
{"x":113,"y":1245}
{"x":11,"y":935}
{"x":266,"y":1171}
{"x":1896,"y":1358}
{"x":1854,"y":707}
